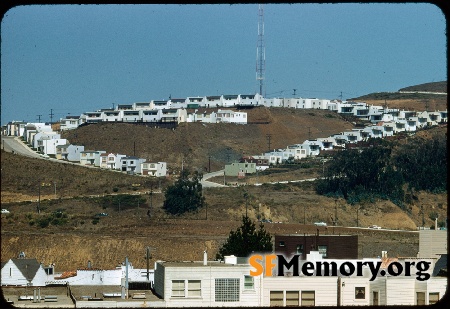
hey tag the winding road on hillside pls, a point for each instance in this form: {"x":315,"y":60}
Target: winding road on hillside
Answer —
{"x":209,"y":184}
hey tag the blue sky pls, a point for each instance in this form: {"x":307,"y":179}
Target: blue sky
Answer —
{"x":79,"y":58}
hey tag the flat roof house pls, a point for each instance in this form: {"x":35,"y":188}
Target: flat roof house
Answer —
{"x":207,"y":284}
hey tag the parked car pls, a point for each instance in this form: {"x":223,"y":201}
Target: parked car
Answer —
{"x":376,"y":227}
{"x":5,"y":211}
{"x":320,"y":223}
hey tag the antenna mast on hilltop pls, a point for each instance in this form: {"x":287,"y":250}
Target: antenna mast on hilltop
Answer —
{"x":260,"y":50}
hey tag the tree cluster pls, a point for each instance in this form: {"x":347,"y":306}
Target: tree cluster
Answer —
{"x":246,"y":240}
{"x":387,"y":171}
{"x":185,"y":194}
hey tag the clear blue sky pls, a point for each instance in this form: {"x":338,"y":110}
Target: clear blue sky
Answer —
{"x":80,"y":58}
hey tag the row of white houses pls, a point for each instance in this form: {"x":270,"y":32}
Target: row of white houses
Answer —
{"x":229,"y":283}
{"x":43,"y":139}
{"x":187,"y":110}
{"x":314,"y":147}
{"x":158,"y":115}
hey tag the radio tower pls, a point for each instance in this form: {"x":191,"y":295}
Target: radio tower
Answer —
{"x":260,"y":50}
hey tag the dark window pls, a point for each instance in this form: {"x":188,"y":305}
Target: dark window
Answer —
{"x":360,"y":293}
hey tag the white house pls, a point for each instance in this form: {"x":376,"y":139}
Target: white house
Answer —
{"x":131,"y":164}
{"x":111,"y":160}
{"x":91,"y":157}
{"x":69,"y":122}
{"x":273,"y":102}
{"x":158,"y":169}
{"x":48,"y":145}
{"x":131,"y":116}
{"x":24,"y":272}
{"x":212,"y":101}
{"x":229,"y":116}
{"x":298,"y":151}
{"x":93,"y":117}
{"x":207,"y":284}
{"x":327,"y":142}
{"x":314,"y":147}
{"x":250,"y":99}
{"x":95,"y":276}
{"x":353,"y":136}
{"x":141,"y":106}
{"x":112,"y":116}
{"x":69,"y":152}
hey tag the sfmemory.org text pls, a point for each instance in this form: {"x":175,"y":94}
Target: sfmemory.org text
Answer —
{"x":265,"y":264}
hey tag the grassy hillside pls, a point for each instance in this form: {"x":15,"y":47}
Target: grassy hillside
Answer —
{"x":428,"y":87}
{"x":194,"y":143}
{"x":410,"y":101}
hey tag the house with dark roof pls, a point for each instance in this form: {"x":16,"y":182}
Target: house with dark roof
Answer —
{"x":23,"y":272}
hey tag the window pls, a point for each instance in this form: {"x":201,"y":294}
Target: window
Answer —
{"x":177,"y":288}
{"x":433,"y":298}
{"x":249,"y":283}
{"x":308,"y":298}
{"x":292,"y":298}
{"x":227,"y":290}
{"x":276,"y":298}
{"x":360,"y":292}
{"x":322,"y":250}
{"x":420,"y":298}
{"x":282,"y":243}
{"x":299,"y":249}
{"x":194,"y":288}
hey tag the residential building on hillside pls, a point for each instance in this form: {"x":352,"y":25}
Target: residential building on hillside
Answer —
{"x":111,"y":160}
{"x":158,"y":169}
{"x":91,"y":157}
{"x":39,"y":136}
{"x":48,"y":145}
{"x":112,"y":116}
{"x":69,"y":152}
{"x":261,"y":162}
{"x":93,"y":117}
{"x":240,"y":169}
{"x":229,"y":116}
{"x":327,"y":142}
{"x":132,"y":164}
{"x":69,"y":122}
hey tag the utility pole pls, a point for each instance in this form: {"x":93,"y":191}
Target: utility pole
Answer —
{"x":39,"y":199}
{"x":309,"y":133}
{"x":357,"y":216}
{"x":39,"y":118}
{"x":341,"y":96}
{"x":268,"y":136}
{"x":147,"y":257}
{"x":51,"y":115}
{"x":260,"y":51}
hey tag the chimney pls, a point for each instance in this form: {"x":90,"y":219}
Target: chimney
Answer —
{"x":384,"y":254}
{"x":89,"y":264}
{"x":205,"y":258}
{"x":435,"y":224}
